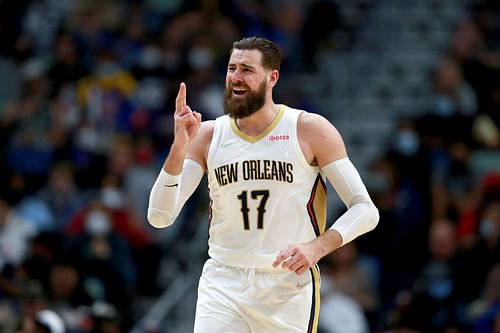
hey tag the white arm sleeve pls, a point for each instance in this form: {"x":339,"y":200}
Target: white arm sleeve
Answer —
{"x":170,"y":193}
{"x":361,"y":215}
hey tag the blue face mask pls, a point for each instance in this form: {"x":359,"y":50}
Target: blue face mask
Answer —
{"x":444,"y":106}
{"x":406,"y":143}
{"x":440,"y":288}
{"x":487,"y":228}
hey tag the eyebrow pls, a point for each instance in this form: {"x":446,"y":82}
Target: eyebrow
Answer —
{"x":244,"y":65}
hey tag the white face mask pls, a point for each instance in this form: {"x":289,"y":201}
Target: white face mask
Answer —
{"x":97,"y":223}
{"x":151,"y":57}
{"x":151,"y":92}
{"x":112,"y":198}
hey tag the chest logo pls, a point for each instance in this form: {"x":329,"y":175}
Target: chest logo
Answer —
{"x":279,"y":137}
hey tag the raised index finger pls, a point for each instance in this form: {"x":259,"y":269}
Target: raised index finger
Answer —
{"x":180,"y":100}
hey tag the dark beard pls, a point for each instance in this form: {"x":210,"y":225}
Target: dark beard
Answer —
{"x":238,"y":109}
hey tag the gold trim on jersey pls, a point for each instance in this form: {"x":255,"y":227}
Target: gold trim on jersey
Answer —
{"x":317,"y":204}
{"x":316,"y":282}
{"x":268,"y":130}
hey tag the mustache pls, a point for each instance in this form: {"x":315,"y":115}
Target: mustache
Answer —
{"x":237,"y":86}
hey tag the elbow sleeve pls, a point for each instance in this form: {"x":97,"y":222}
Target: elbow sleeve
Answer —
{"x":163,"y":200}
{"x":356,"y":221}
{"x":170,"y":193}
{"x":362,"y":216}
{"x":159,"y":218}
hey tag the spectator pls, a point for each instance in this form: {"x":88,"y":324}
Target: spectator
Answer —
{"x":347,"y":275}
{"x":339,"y":313}
{"x":485,"y":252}
{"x":61,"y":194}
{"x":484,"y":312}
{"x":15,"y":235}
{"x":105,"y":318}
{"x":68,"y":289}
{"x":44,"y":321}
{"x":67,"y":67}
{"x":403,"y":237}
{"x":436,"y":293}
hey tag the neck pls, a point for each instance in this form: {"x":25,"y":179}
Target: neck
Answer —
{"x":259,"y":121}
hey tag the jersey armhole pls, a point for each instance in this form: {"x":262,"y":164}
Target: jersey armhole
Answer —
{"x":296,"y":143}
{"x":216,"y":134}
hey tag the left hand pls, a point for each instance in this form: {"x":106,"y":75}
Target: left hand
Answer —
{"x":298,"y":258}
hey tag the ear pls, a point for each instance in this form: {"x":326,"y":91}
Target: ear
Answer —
{"x":273,"y":77}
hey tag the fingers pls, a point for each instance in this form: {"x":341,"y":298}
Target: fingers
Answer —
{"x":293,"y":259}
{"x":291,"y":263}
{"x":180,"y":100}
{"x":294,"y":263}
{"x":283,"y":256}
{"x":198,"y":116}
{"x":191,"y":119}
{"x":182,"y":109}
{"x":301,"y":270}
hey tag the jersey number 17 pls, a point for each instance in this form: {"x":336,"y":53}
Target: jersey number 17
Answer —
{"x":261,"y":195}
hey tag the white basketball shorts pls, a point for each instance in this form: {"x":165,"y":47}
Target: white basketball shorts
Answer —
{"x":236,"y":300}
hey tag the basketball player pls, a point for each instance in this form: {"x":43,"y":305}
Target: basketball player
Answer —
{"x":266,"y":165}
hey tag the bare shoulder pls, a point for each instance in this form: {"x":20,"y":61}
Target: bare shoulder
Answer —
{"x":312,"y":126}
{"x":206,"y":129}
{"x":319,"y":138}
{"x":312,"y":121}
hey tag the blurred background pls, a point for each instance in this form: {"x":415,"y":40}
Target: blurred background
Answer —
{"x":87,"y":92}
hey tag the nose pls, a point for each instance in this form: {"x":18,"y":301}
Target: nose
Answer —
{"x":237,"y":77}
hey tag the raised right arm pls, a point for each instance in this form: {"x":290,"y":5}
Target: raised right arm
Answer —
{"x":184,"y":166}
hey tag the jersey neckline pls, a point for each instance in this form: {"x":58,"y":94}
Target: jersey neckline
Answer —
{"x":253,"y":139}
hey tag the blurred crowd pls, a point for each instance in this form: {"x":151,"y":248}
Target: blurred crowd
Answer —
{"x":433,"y":263}
{"x":86,"y":102}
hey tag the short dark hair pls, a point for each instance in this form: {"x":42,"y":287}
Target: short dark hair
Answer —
{"x":271,"y":56}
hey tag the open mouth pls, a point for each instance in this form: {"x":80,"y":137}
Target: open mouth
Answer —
{"x":239,"y":91}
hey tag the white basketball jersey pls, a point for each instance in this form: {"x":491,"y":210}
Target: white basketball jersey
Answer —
{"x":264,"y":195}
